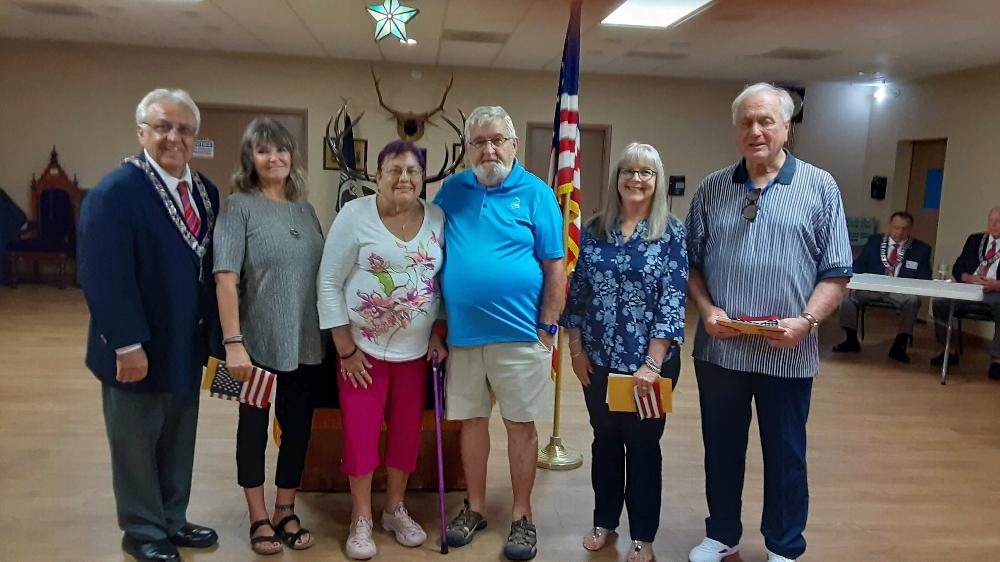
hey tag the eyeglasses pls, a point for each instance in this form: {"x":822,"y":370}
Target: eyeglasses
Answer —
{"x":495,"y":142}
{"x":750,"y":206}
{"x":395,"y":173}
{"x":644,"y":174}
{"x":164,"y":128}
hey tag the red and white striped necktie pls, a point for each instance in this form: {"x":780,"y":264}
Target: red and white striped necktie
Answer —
{"x":190,"y":217}
{"x":989,"y":255}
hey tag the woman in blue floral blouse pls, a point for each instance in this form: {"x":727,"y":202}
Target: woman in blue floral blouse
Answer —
{"x":625,"y":314}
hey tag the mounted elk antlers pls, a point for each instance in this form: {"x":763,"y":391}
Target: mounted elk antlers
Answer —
{"x":410,"y":126}
{"x":360,"y":172}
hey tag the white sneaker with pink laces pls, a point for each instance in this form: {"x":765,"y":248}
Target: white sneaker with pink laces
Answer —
{"x":360,"y":544}
{"x":408,"y":532}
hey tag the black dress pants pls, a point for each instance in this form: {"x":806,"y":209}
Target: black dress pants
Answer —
{"x":626,"y":466}
{"x":293,"y":407}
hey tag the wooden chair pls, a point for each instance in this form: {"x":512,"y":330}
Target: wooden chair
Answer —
{"x":51,"y":233}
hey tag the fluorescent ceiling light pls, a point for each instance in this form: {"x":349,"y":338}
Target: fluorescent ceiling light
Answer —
{"x":654,"y":13}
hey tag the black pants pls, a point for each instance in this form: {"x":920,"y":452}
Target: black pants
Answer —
{"x":294,"y":410}
{"x":782,"y":412}
{"x":626,"y":464}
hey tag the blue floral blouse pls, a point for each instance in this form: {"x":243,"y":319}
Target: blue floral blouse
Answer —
{"x":625,"y":292}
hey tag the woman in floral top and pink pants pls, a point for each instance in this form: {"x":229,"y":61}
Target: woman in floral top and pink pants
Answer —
{"x":378,"y":292}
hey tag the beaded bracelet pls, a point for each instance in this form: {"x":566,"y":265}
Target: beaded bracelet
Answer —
{"x":238,"y":338}
{"x":651,"y":364}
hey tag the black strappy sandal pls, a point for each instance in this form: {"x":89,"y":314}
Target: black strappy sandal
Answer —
{"x":273,"y":538}
{"x":292,"y":539}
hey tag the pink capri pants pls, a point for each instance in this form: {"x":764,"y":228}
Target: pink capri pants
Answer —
{"x":396,"y":395}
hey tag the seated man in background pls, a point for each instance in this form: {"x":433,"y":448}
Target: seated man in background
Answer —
{"x":895,"y":254}
{"x":977,"y":264}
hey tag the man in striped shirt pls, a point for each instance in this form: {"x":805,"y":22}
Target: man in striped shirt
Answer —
{"x":767,"y":237}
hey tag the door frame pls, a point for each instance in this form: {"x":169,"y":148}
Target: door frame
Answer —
{"x":605,"y":165}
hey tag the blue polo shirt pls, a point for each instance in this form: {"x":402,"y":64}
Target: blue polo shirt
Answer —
{"x":495,"y":240}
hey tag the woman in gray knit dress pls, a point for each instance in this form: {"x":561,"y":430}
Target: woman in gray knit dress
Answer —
{"x":268,"y":246}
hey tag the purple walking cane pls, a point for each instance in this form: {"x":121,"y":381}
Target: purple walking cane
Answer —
{"x":438,"y":412}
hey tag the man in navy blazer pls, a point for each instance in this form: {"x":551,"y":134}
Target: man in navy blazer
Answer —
{"x":894,"y":254}
{"x":977,"y":264}
{"x":145,"y":255}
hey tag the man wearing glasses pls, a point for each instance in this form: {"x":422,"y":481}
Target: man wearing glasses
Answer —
{"x":503,"y":284}
{"x":146,"y":269}
{"x":767,"y":238}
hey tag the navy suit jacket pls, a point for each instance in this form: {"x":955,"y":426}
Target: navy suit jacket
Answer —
{"x":968,"y":260}
{"x":870,"y":259}
{"x":145,"y":284}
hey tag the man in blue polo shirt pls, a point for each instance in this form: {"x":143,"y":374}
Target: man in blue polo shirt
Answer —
{"x":503,"y":283}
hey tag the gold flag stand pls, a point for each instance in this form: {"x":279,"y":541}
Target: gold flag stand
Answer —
{"x":555,"y":456}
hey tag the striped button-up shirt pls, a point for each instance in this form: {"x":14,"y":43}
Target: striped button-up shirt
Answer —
{"x":768,"y":267}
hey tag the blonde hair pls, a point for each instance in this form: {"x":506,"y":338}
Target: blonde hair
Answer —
{"x":604,"y":223}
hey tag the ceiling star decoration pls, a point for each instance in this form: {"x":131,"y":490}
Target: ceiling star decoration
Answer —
{"x":390,"y":18}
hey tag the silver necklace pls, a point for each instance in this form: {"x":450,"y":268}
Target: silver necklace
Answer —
{"x":291,"y":222}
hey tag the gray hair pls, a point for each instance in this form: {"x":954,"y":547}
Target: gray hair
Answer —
{"x":784,"y":99}
{"x":163,"y":94}
{"x":604,"y":222}
{"x":486,"y":114}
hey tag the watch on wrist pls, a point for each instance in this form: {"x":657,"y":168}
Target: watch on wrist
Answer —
{"x":813,"y":322}
{"x":550,"y":329}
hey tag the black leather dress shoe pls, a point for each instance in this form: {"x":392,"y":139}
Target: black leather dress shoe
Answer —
{"x":194,"y":536}
{"x":898,"y":349}
{"x":150,"y":551}
{"x":994,"y":372}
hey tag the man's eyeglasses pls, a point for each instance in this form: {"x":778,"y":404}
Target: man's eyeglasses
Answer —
{"x":495,"y":142}
{"x":165,"y":127}
{"x":395,"y":173}
{"x":644,"y":174}
{"x":750,"y":206}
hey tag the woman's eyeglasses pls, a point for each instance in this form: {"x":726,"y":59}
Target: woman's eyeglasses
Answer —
{"x":750,"y":205}
{"x":645,"y":174}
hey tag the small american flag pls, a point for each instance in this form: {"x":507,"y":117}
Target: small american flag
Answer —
{"x":257,"y":391}
{"x":648,"y":406}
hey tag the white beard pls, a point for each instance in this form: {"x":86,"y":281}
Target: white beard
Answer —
{"x":491,"y":173}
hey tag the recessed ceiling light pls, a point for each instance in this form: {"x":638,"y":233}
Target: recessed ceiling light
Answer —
{"x":654,"y":13}
{"x":408,"y":41}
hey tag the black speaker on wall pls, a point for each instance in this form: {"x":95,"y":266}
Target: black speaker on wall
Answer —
{"x":878,"y":187}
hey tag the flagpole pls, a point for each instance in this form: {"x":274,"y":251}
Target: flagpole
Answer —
{"x":555,"y":456}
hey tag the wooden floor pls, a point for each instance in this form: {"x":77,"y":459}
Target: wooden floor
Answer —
{"x":901,"y":468}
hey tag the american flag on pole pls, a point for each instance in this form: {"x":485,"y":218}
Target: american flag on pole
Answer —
{"x":564,"y":162}
{"x":257,"y":391}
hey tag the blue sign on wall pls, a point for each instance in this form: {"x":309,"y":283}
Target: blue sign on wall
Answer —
{"x":932,"y":188}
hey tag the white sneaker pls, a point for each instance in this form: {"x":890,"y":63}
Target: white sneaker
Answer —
{"x":360,"y":544}
{"x":711,"y":550}
{"x":772,"y":557}
{"x":408,"y":532}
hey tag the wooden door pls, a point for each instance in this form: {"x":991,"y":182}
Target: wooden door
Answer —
{"x":923,"y":197}
{"x":595,"y":142}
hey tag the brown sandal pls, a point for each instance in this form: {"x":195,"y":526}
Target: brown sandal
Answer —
{"x":292,"y":539}
{"x":255,"y":542}
{"x":598,"y":538}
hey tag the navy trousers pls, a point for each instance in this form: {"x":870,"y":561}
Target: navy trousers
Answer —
{"x":782,"y":410}
{"x":626,"y":463}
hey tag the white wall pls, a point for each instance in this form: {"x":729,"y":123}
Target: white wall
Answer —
{"x":82,"y":99}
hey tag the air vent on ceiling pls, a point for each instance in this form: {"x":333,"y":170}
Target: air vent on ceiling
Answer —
{"x":55,"y":9}
{"x":474,"y":36}
{"x":792,"y":53}
{"x":655,"y":55}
